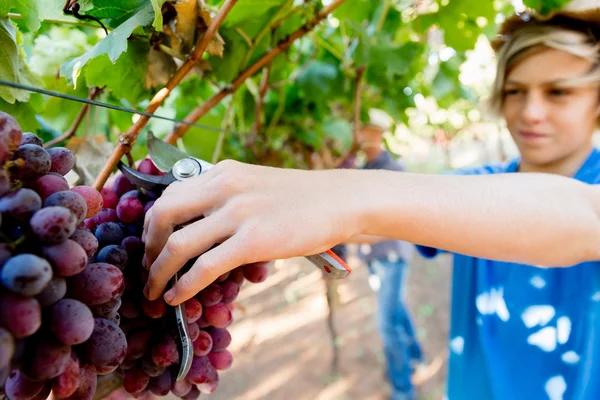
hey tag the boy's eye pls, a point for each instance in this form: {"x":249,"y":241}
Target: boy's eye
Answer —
{"x":511,"y":92}
{"x":559,"y":92}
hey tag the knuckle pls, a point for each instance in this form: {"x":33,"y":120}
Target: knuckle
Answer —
{"x":176,"y":243}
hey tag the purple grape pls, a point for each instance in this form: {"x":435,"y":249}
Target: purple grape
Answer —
{"x":106,"y":215}
{"x":32,"y":161}
{"x":26,"y":274}
{"x":123,"y":185}
{"x":68,"y":258}
{"x":98,"y":283}
{"x":20,"y":205}
{"x":109,"y":198}
{"x":70,"y":200}
{"x":31,"y":138}
{"x":86,"y":240}
{"x":109,"y":233}
{"x":148,"y":206}
{"x":62,"y":160}
{"x":133,"y":194}
{"x":49,"y":184}
{"x":138,"y":343}
{"x":115,"y":255}
{"x":53,"y":292}
{"x":105,"y":309}
{"x":19,"y":387}
{"x":134,"y":248}
{"x":47,"y":359}
{"x":161,"y":385}
{"x":71,"y":321}
{"x":53,"y":225}
{"x":130,"y":210}
{"x":221,"y":360}
{"x":107,"y":346}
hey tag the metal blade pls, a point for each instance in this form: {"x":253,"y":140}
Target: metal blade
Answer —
{"x":149,"y":182}
{"x":162,"y":154}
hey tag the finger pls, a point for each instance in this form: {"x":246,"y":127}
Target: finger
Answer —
{"x":182,"y":246}
{"x":173,"y":208}
{"x":206,"y":270}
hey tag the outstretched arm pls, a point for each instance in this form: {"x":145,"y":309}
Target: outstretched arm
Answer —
{"x":261,"y":213}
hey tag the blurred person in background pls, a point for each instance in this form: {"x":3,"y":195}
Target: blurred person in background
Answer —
{"x":388,"y":262}
{"x":525,"y":313}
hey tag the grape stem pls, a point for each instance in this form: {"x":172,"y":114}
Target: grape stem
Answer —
{"x":94,"y":92}
{"x":283,"y":45}
{"x":355,"y":143}
{"x":128,"y":138}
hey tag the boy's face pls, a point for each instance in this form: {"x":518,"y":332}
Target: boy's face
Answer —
{"x":550,"y":123}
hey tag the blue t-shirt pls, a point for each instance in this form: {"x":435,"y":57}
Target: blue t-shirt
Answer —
{"x":518,"y":332}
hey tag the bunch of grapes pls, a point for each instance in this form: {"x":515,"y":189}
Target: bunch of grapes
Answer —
{"x":71,"y":302}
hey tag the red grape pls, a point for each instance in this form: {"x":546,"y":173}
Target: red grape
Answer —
{"x":70,"y":200}
{"x":53,"y":224}
{"x":92,"y":197}
{"x":107,"y":346}
{"x":97,"y":284}
{"x":62,"y":160}
{"x":71,"y":321}
{"x":68,"y":258}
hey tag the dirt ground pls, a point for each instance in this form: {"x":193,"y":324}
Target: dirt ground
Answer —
{"x":281,"y":344}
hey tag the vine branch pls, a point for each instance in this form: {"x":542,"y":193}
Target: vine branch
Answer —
{"x":262,"y":91}
{"x":127,"y":139}
{"x":355,"y":141}
{"x":283,"y":45}
{"x":94,"y":92}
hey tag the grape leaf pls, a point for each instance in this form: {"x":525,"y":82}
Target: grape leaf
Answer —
{"x":113,"y":45}
{"x":53,"y":48}
{"x":27,"y":8}
{"x":25,"y":113}
{"x":126,"y":79}
{"x":158,"y":17}
{"x":250,"y":10}
{"x":13,"y":67}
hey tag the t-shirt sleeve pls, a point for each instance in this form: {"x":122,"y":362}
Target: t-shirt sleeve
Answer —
{"x":431,"y":252}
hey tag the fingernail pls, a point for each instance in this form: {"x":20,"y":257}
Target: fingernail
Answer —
{"x":146,"y":291}
{"x":169,"y":296}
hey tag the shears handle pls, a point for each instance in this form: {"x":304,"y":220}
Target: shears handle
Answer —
{"x":332,"y":265}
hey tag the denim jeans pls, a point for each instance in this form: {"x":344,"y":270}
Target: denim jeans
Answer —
{"x":395,"y":326}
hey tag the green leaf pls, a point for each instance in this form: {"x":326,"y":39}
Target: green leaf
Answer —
{"x":53,"y":48}
{"x":27,"y":8}
{"x":545,"y":6}
{"x":226,"y":68}
{"x":340,"y":130}
{"x":24,"y":113}
{"x":363,"y":46}
{"x":126,"y":77}
{"x":357,"y":11}
{"x":158,"y":17}
{"x":317,"y":79}
{"x":250,"y":10}
{"x":113,"y":45}
{"x":13,"y":67}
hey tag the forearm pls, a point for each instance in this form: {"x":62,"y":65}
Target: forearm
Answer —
{"x":529,"y":218}
{"x":366,"y":239}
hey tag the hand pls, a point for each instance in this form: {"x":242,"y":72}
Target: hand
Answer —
{"x":255,"y":213}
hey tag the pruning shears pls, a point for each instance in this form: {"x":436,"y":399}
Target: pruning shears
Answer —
{"x":179,"y":166}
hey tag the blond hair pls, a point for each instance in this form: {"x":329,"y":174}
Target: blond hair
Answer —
{"x":533,"y":37}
